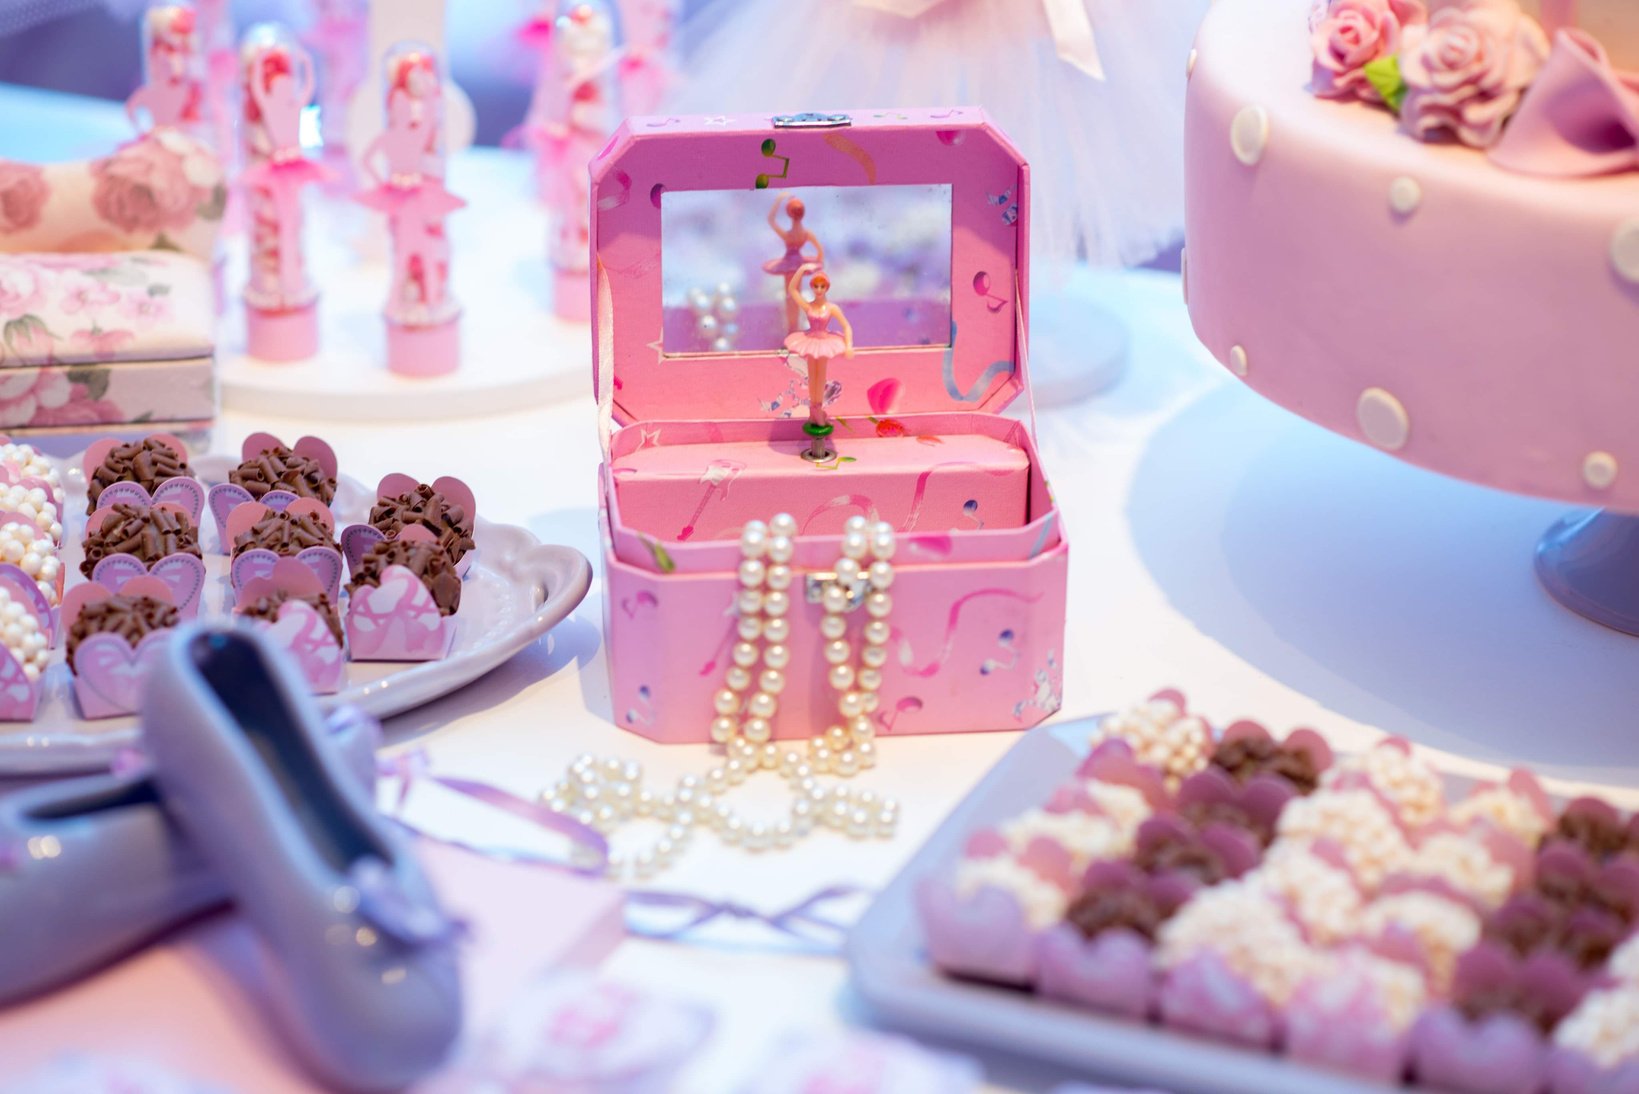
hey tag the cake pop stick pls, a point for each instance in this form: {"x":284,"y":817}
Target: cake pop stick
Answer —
{"x":423,"y":329}
{"x":276,"y":76}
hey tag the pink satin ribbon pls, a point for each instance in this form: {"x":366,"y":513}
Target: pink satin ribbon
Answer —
{"x":1580,"y":117}
{"x":1067,"y":21}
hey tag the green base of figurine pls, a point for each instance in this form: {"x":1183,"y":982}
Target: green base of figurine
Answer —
{"x":819,"y":449}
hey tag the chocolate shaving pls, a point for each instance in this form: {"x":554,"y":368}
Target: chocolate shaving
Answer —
{"x":1251,"y":756}
{"x":1600,"y":835}
{"x":279,"y":468}
{"x":1180,"y":853}
{"x":426,"y":561}
{"x":1535,"y":1007}
{"x":1109,"y":907}
{"x":147,"y":533}
{"x":1201,"y":814}
{"x":147,"y":463}
{"x":284,"y":534}
{"x":426,"y":507}
{"x":130,"y":617}
{"x":267,"y":608}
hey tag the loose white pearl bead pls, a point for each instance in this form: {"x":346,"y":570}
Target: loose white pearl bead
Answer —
{"x":783,"y":524}
{"x":820,"y":759}
{"x":752,"y":573}
{"x":801,"y":771}
{"x":869,"y":679}
{"x":778,"y":576}
{"x":837,"y":651}
{"x":723,"y":729}
{"x":848,"y":763}
{"x":866,"y":751}
{"x":872,"y":701}
{"x":859,"y":824}
{"x":726,"y":701}
{"x":877,"y":632}
{"x":769,"y":757}
{"x":777,"y":630}
{"x":874,"y":657}
{"x":855,"y":545}
{"x":882,"y":528}
{"x":833,"y":626}
{"x":862,"y":728}
{"x":850,"y":703}
{"x":784,"y":833}
{"x":733,"y":830}
{"x":750,"y":601}
{"x":841,"y":677}
{"x":762,"y":705}
{"x":776,"y":603}
{"x":856,"y":523}
{"x":780,"y":549}
{"x":754,"y":540}
{"x":882,"y":546}
{"x":737,"y":678}
{"x":776,"y":656}
{"x":645,"y":802}
{"x":836,"y":738}
{"x":744,"y":654}
{"x":736,"y":772}
{"x":789,"y":760}
{"x":772,"y":681}
{"x":838,"y":812}
{"x":879,"y":605}
{"x":757,"y":838}
{"x":847,"y":569}
{"x":750,"y":627}
{"x":881,"y":575}
{"x":756,"y":729}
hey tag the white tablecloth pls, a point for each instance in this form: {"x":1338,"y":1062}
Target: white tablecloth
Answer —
{"x":1218,"y":543}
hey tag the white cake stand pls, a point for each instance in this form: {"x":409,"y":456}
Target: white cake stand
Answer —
{"x":514,"y":352}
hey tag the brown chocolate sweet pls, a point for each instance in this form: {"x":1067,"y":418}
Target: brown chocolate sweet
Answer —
{"x":1594,"y":827}
{"x":147,"y":463}
{"x":1200,"y":814}
{"x":426,"y":561}
{"x":130,"y":617}
{"x":1103,"y":909}
{"x":285,"y":534}
{"x":1249,"y":756}
{"x":279,"y":468}
{"x":426,"y":507}
{"x":267,"y":608}
{"x":1183,"y":852}
{"x":1512,"y":997}
{"x":147,"y":533}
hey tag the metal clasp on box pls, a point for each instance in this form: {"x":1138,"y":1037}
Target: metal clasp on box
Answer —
{"x":812,"y":121}
{"x":814,"y":588}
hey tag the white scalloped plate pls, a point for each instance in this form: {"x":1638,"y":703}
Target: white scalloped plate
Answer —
{"x":516,"y":591}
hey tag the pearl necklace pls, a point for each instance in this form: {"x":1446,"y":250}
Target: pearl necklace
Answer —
{"x":609,"y":793}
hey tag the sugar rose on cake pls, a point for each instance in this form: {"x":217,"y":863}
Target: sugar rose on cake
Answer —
{"x":1467,"y":69}
{"x":1348,"y":35}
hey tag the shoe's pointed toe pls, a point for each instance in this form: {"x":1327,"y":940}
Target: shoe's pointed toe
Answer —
{"x":363,"y":971}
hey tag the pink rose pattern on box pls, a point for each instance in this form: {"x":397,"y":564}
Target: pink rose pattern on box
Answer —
{"x":78,"y":308}
{"x":1460,"y":73}
{"x":23,"y":192}
{"x":160,"y":183}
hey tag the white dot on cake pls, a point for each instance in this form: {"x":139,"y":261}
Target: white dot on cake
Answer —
{"x":1405,"y":195}
{"x":1249,"y":134}
{"x":1599,"y":470}
{"x":1237,"y":360}
{"x":1382,"y":419}
{"x":1625,"y":250}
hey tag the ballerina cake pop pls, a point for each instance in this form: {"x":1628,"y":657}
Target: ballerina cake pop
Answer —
{"x":173,"y":87}
{"x":816,"y":346}
{"x":423,"y":316}
{"x":281,"y":316}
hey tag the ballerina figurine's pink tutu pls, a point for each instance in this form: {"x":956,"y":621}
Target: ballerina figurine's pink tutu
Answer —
{"x":817,"y":345}
{"x":421,"y":312}
{"x":795,"y":237}
{"x":276,"y":77}
{"x":173,"y":88}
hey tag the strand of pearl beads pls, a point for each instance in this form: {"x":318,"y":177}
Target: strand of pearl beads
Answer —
{"x":606,"y":794}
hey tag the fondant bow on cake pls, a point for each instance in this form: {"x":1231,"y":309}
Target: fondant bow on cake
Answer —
{"x":1579,"y":118}
{"x":1067,"y":21}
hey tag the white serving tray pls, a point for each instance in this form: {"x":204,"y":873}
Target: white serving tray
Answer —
{"x":891,"y":969}
{"x":516,"y":590}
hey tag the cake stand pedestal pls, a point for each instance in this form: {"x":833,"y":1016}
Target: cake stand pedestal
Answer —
{"x":1590,"y":564}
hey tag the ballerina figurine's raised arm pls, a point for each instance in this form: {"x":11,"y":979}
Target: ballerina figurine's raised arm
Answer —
{"x":817,"y":345}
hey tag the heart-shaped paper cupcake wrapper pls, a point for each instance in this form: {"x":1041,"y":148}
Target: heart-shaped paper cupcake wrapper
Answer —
{"x":397,"y":621}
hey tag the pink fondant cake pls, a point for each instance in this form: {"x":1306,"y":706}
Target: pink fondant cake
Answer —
{"x":1415,"y":294}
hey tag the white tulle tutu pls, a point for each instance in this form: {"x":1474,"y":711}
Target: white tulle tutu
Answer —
{"x":1106,"y":157}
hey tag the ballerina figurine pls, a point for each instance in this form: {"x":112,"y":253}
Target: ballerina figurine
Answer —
{"x":173,"y":85}
{"x":795,"y":238}
{"x":423,"y":333}
{"x":276,"y":78}
{"x":817,"y":345}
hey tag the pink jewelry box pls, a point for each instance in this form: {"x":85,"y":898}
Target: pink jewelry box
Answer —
{"x":108,"y":294}
{"x":702,"y":435}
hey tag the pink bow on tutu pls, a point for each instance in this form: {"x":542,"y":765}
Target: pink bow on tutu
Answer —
{"x":1580,"y":117}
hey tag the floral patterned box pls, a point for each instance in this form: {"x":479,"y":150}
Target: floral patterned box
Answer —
{"x":923,"y":217}
{"x":107,"y":298}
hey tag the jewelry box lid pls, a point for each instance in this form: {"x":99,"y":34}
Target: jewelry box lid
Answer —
{"x":923,"y":217}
